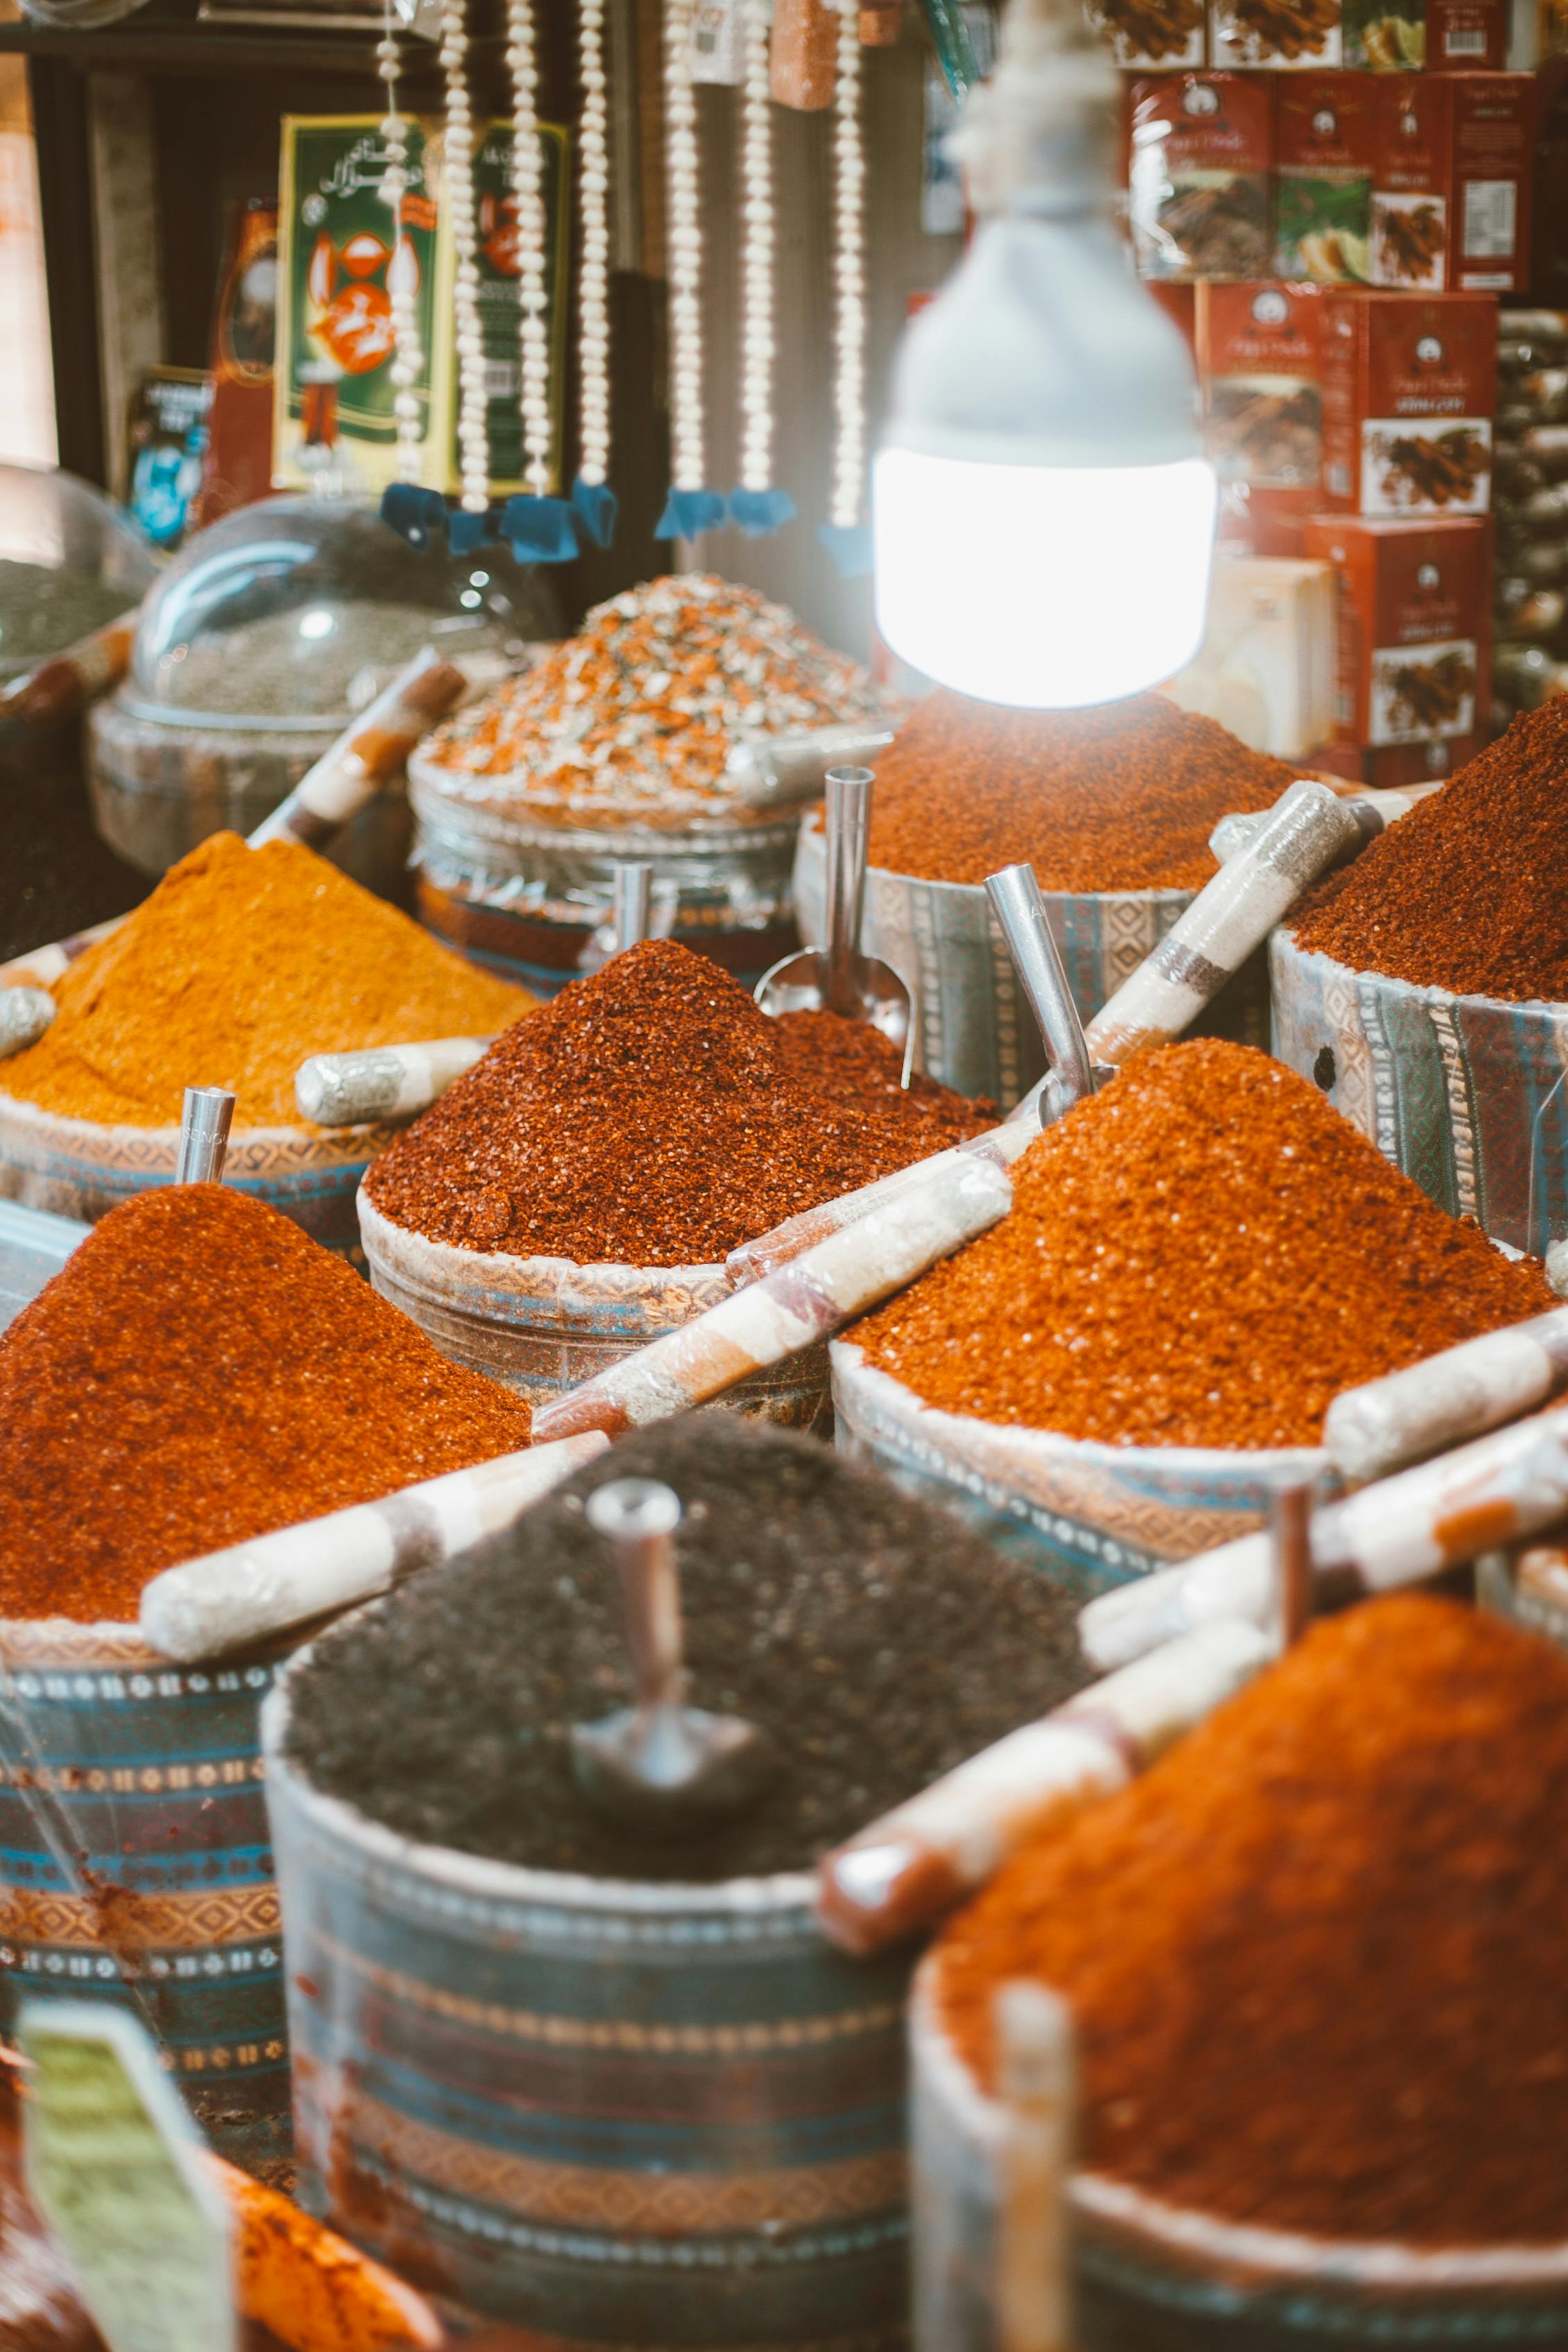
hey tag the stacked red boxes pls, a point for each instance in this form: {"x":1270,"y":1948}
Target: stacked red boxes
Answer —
{"x":1451,"y":182}
{"x":1260,"y":350}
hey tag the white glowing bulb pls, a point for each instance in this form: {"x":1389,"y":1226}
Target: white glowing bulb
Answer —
{"x":316,"y":622}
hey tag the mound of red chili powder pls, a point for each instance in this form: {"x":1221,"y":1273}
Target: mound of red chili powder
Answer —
{"x":1201,"y":1255}
{"x":652,"y":1115}
{"x":1120,"y":796}
{"x":200,"y":1371}
{"x":1315,"y":1955}
{"x":1470,"y":892}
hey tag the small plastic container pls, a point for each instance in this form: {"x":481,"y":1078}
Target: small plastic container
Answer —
{"x":268,"y":634}
{"x":70,"y":561}
{"x":1466,"y":1094}
{"x":542,"y":1325}
{"x":1088,"y":1514}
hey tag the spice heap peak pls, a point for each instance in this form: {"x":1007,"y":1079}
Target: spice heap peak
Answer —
{"x":241,"y":964}
{"x":1315,"y":1953}
{"x":198,"y":1372}
{"x":1470,"y":892}
{"x":636,"y":715}
{"x":1118,"y":796}
{"x":1203,"y":1254}
{"x":809,"y":1607}
{"x":652,"y":1115}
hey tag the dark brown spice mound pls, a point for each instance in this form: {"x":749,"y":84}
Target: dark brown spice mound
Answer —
{"x":1315,"y":1955}
{"x":200,"y":1371}
{"x":1470,"y":892}
{"x":873,"y":1638}
{"x":1201,"y":1255}
{"x":652,"y":1115}
{"x":1120,"y":796}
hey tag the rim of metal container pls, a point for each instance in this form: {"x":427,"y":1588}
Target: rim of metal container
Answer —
{"x":1283,"y":940}
{"x":435,"y":803}
{"x":250,"y":1148}
{"x":483,"y":1877}
{"x":1247,"y":2254}
{"x":328,"y":724}
{"x":811,"y":832}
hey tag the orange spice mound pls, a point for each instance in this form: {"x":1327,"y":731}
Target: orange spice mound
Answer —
{"x":1201,"y":1255}
{"x":1120,"y":796}
{"x":200,"y":1371}
{"x":1314,"y":1955}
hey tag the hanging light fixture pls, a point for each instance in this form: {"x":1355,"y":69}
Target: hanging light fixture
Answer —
{"x":1043,"y":513}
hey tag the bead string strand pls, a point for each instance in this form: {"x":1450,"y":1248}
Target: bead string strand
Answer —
{"x":407,"y":352}
{"x":685,"y":237}
{"x":473,"y":435}
{"x":534,"y":330}
{"x":849,"y":280}
{"x":594,"y":286}
{"x":757,"y":256}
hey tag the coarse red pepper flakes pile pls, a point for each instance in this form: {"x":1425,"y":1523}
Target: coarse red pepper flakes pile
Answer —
{"x":1203,"y":1254}
{"x":200,"y":1371}
{"x":1315,"y":1955}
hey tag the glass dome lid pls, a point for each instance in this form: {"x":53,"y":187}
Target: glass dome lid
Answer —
{"x":293,"y":614}
{"x":69,"y":561}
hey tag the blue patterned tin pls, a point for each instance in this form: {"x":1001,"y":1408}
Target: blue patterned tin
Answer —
{"x":1466,"y":1094}
{"x":1090,"y":1515}
{"x":156,"y":1772}
{"x":74,"y":1167}
{"x":618,"y":2114}
{"x":1151,"y":2277}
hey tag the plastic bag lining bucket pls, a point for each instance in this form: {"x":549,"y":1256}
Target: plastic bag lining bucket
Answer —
{"x":540,"y":1325}
{"x":1466,"y":1094}
{"x":74,"y":1167}
{"x":1150,"y":2277}
{"x":1088,"y":1515}
{"x":618,"y":2113}
{"x":158,"y":1770}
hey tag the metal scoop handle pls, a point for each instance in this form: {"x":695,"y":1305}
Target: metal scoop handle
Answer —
{"x":1015,"y":901}
{"x":630,"y":891}
{"x":848,"y":826}
{"x":203,"y":1135}
{"x":639,"y":1517}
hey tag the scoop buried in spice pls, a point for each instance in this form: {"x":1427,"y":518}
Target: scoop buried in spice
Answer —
{"x":1015,"y":902}
{"x":658,"y":1765}
{"x":839,"y":978}
{"x":24,"y":1015}
{"x":382,"y":1082}
{"x":204,"y":1123}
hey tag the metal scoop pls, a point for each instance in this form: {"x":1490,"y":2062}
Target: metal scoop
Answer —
{"x":1016,"y":903}
{"x":659,"y":1766}
{"x":839,"y":978}
{"x":203,"y":1135}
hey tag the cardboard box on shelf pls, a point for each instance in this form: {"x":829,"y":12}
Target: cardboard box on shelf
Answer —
{"x":1260,"y":353}
{"x":1267,"y":666}
{"x":1152,"y":35}
{"x":1451,"y":191}
{"x":1283,"y":36}
{"x":1200,"y":157}
{"x":1409,"y":395}
{"x":1436,"y":35}
{"x":1466,"y":35}
{"x":1413,"y":665}
{"x":1323,"y":138}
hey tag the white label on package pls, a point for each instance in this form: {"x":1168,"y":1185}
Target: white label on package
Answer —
{"x":115,"y":2168}
{"x":1491,"y":213}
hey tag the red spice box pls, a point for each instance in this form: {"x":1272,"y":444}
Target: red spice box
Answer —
{"x":1323,"y":135}
{"x":1200,"y":155}
{"x":1260,"y":350}
{"x":1409,"y":393}
{"x":1413,"y":663}
{"x":1452,"y":182}
{"x":1466,"y":35}
{"x":1443,"y":35}
{"x":1283,"y":35}
{"x":1151,"y":33}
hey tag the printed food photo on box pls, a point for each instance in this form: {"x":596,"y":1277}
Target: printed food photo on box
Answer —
{"x":1409,"y":396}
{"x":1414,"y":641}
{"x":1259,"y":350}
{"x":1282,"y":34}
{"x":1200,"y":149}
{"x":1385,"y":35}
{"x":1322,"y":196}
{"x":1451,"y":183}
{"x":1143,"y":33}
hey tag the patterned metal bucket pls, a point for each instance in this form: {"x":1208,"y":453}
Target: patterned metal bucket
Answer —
{"x":529,"y":900}
{"x":1149,"y":2277}
{"x":618,"y":2113}
{"x":158,"y":1771}
{"x":975,"y":1031}
{"x":33,"y":1248}
{"x":541,"y":1325}
{"x":1090,"y":1515}
{"x":74,"y":1168}
{"x":1468,"y":1095}
{"x":157,"y":790}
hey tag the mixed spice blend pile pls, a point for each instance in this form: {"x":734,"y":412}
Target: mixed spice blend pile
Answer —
{"x":1120,"y":796}
{"x":200,"y":1371}
{"x":1470,"y":892}
{"x":652,"y":1115}
{"x":242,"y":964}
{"x":1315,"y":1955}
{"x":636,"y":715}
{"x":1203,"y":1254}
{"x":812,"y":1605}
